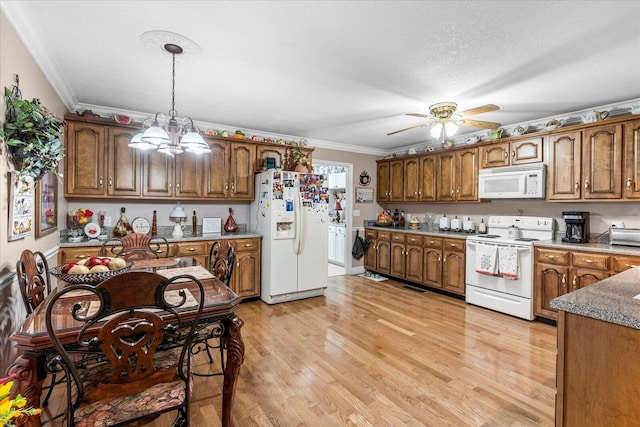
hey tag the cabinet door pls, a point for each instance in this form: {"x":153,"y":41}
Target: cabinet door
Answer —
{"x":246,"y":275}
{"x":622,"y":263}
{"x":241,"y":169}
{"x":602,"y":162}
{"x":433,"y":267}
{"x":631,"y":173}
{"x":564,"y":173}
{"x":383,"y":184}
{"x":412,"y":179}
{"x":581,"y":278}
{"x":550,"y":282}
{"x":414,"y":268}
{"x":384,"y":257}
{"x":398,"y":259}
{"x":124,"y":167}
{"x":371,"y":256}
{"x":396,"y":180}
{"x":216,"y":171}
{"x":494,"y":155}
{"x":276,"y":152}
{"x":526,"y":151}
{"x":453,"y":272}
{"x":85,"y":160}
{"x":66,"y":255}
{"x":332,"y":245}
{"x":428,"y":182}
{"x":446,"y":177}
{"x":340,"y":240}
{"x":467,"y":175}
{"x":189,"y":172}
{"x":158,"y":174}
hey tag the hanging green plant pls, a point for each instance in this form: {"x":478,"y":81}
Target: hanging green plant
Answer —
{"x":32,"y":136}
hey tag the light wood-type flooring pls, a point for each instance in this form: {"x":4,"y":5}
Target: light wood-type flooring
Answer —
{"x":379,"y":354}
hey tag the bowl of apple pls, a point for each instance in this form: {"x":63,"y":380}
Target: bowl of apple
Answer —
{"x":91,"y":271}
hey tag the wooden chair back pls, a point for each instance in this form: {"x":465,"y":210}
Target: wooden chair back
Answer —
{"x":133,"y":323}
{"x":222,"y":258}
{"x":34,"y":279}
{"x":136,"y":246}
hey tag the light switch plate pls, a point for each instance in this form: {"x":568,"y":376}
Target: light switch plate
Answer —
{"x":356,"y":212}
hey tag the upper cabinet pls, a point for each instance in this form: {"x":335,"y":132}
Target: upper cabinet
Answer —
{"x":631,"y":169}
{"x":390,"y":181}
{"x":458,"y":175}
{"x":337,"y":180}
{"x":519,"y":152}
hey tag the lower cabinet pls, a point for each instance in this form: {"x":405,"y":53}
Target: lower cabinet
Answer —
{"x":558,"y":272}
{"x":336,"y":244}
{"x":426,"y":260}
{"x":76,"y":254}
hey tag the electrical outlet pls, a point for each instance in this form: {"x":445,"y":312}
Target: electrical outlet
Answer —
{"x":107,"y":221}
{"x":617,"y":224}
{"x":356,"y":212}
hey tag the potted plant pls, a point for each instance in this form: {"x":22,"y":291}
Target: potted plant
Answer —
{"x":301,"y":162}
{"x":32,"y":136}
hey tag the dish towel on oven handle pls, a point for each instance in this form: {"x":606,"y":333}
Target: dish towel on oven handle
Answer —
{"x":508,"y":262}
{"x":486,"y":259}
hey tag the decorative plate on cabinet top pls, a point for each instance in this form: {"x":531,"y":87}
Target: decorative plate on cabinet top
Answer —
{"x":92,"y":230}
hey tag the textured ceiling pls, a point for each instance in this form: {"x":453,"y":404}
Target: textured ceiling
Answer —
{"x":339,"y":72}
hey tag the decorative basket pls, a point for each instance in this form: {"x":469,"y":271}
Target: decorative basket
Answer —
{"x":89,"y":278}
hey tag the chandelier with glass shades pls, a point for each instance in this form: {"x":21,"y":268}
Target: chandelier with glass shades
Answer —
{"x":170,"y":136}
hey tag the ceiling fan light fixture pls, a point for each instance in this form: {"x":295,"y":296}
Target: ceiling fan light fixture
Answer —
{"x":436,"y":131}
{"x":443,"y":110}
{"x":450,"y":128}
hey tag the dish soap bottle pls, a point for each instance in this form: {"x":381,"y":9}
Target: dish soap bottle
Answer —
{"x":482,"y":227}
{"x":122,"y":227}
{"x":230,"y":225}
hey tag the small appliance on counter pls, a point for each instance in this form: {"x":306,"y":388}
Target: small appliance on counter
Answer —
{"x":468,"y":226}
{"x":456,"y":224}
{"x":624,"y":236}
{"x":444,"y":224}
{"x":576,"y":227}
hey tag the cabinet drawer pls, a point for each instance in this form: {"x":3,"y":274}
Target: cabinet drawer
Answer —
{"x":622,"y":263}
{"x":432,"y":242}
{"x":455,"y":245}
{"x":341,"y":230}
{"x":550,"y":256}
{"x":414,"y":240}
{"x":245,"y":245}
{"x":384,"y":235}
{"x":66,"y":255}
{"x":191,"y":248}
{"x":398,"y":237}
{"x":591,"y":260}
{"x":371,"y":234}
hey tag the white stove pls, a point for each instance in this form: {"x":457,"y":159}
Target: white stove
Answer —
{"x":499,"y":264}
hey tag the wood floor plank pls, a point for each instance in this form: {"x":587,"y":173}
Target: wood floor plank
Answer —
{"x":376,"y":354}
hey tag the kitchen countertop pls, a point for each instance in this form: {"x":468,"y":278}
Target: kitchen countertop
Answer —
{"x":611,"y":300}
{"x":64,"y":243}
{"x":555,"y":244}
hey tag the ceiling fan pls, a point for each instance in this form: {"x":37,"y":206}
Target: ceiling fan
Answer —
{"x":445,"y":121}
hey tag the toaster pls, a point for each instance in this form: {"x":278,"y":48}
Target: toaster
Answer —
{"x":625,"y":236}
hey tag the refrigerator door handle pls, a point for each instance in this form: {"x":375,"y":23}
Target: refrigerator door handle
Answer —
{"x":298,"y":219}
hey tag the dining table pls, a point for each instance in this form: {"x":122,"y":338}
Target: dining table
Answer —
{"x":220,"y":305}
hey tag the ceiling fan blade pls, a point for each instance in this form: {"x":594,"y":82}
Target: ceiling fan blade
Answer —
{"x":478,"y":124}
{"x":402,"y":130}
{"x":478,"y":110}
{"x":424,"y":116}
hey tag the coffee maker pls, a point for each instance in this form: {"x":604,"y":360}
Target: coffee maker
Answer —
{"x":577,"y":227}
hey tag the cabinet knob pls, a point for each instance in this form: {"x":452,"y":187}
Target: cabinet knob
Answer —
{"x":505,"y":154}
{"x":586,"y":185}
{"x":513,"y":154}
{"x":552,"y":256}
{"x":588,"y":261}
{"x":577,"y":186}
{"x":191,"y":249}
{"x":629,"y":183}
{"x":110,"y":181}
{"x":564,"y":279}
{"x":573,"y":283}
{"x":100,"y":181}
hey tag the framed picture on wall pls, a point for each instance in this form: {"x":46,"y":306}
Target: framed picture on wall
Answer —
{"x":46,"y":205}
{"x":364,"y":195}
{"x":21,"y":207}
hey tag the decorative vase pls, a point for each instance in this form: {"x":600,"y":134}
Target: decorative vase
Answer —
{"x":301,"y":168}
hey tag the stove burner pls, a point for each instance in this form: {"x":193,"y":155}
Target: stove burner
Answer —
{"x":489,"y":236}
{"x":527,"y":239}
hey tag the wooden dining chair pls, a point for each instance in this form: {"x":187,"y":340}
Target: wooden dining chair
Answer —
{"x":134,"y":321}
{"x":222,"y":257}
{"x":136,"y":246}
{"x":34,"y":280}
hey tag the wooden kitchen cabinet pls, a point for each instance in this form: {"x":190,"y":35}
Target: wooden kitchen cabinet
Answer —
{"x":432,"y":251}
{"x":245,"y":280}
{"x":199,"y":250}
{"x":398,"y":259}
{"x":524,"y":151}
{"x":420,"y":179}
{"x":564,"y":167}
{"x":98,"y":161}
{"x":229,"y":170}
{"x":383,"y":249}
{"x":453,"y":266}
{"x":76,"y":254}
{"x":631,"y":168}
{"x":173,"y":177}
{"x":458,"y":175}
{"x":621,"y":263}
{"x":371,"y":255}
{"x":406,"y":256}
{"x":390,"y":181}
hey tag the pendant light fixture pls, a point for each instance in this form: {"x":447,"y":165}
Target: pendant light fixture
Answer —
{"x":171,"y":136}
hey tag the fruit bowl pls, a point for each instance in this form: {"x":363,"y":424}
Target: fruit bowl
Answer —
{"x":89,"y":278}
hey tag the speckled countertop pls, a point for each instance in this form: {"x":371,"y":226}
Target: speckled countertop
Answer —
{"x":611,"y":300}
{"x":64,"y":243}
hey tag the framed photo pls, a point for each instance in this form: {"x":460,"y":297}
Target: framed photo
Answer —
{"x":46,"y":205}
{"x":21,"y":207}
{"x":211,"y":225}
{"x":364,"y":195}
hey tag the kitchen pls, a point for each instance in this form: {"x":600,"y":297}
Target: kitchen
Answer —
{"x":35,"y":84}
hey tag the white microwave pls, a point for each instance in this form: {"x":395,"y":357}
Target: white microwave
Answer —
{"x":513,"y":182}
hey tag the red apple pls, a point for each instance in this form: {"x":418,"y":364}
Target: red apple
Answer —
{"x":93,"y":261}
{"x":65,"y":268}
{"x":106,"y":261}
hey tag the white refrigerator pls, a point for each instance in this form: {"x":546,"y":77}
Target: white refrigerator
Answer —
{"x":291,"y":212}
